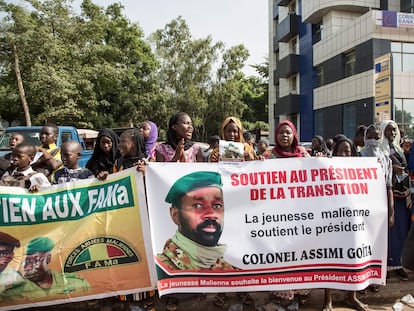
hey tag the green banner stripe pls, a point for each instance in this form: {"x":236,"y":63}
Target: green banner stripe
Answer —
{"x":65,"y":205}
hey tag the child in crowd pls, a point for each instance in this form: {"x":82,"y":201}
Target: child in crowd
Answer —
{"x":319,"y":148}
{"x":101,"y":164}
{"x":179,"y":147}
{"x":71,"y":171}
{"x":50,"y":159}
{"x":263,"y":150}
{"x":5,"y":163}
{"x":150,"y":132}
{"x":132,"y":150}
{"x":250,"y":139}
{"x":23,"y":175}
{"x":213,"y":142}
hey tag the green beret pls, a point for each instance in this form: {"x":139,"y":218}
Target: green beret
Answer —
{"x":6,"y":239}
{"x":39,"y":245}
{"x":192,"y":182}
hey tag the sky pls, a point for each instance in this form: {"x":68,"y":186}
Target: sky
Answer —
{"x":230,"y":21}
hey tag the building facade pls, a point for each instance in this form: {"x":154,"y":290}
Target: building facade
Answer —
{"x":336,"y":64}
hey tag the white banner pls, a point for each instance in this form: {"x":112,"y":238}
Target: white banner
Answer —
{"x":288,"y":224}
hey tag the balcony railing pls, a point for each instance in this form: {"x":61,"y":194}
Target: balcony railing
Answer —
{"x":288,"y":66}
{"x":288,"y":28}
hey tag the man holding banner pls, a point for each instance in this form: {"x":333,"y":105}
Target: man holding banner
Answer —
{"x":197,"y":209}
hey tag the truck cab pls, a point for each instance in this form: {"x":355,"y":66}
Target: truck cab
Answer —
{"x":32,"y":135}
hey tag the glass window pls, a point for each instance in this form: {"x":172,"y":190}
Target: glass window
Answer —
{"x":320,"y":76}
{"x":293,"y":85}
{"x":396,"y":47}
{"x":350,"y":59}
{"x":318,"y":121}
{"x":292,"y":7}
{"x":404,"y":115}
{"x":408,"y":114}
{"x":317,"y":32}
{"x":408,"y":62}
{"x":66,"y":136}
{"x":293,"y":46}
{"x":349,"y":120}
{"x":398,"y":109}
{"x":396,"y":62}
{"x":408,"y":47}
{"x":403,"y":56}
{"x":407,"y":6}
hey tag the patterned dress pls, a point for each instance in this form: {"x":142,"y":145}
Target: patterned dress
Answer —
{"x":168,"y":152}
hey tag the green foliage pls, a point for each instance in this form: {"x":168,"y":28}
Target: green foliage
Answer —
{"x":92,"y":69}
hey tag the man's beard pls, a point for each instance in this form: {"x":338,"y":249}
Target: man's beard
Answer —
{"x":199,"y":235}
{"x":33,"y":276}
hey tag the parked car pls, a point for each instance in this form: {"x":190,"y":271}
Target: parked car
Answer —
{"x":32,"y":135}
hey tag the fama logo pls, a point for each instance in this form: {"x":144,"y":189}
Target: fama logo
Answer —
{"x":100,"y":252}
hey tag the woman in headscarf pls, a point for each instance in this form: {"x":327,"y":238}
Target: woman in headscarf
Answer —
{"x":287,"y":142}
{"x":106,"y":151}
{"x":373,"y":137}
{"x":179,"y":147}
{"x":344,"y":148}
{"x":150,"y":132}
{"x":319,"y":147}
{"x":132,"y":150}
{"x":390,"y":145}
{"x":232,"y":130}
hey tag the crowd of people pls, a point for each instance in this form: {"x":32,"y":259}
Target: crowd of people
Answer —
{"x":33,"y":167}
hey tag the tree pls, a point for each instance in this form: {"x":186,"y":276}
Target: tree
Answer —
{"x":92,"y":69}
{"x":185,"y":69}
{"x":255,"y":95}
{"x":189,"y":81}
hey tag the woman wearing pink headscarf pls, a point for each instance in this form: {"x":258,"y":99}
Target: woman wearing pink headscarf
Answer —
{"x":287,"y":143}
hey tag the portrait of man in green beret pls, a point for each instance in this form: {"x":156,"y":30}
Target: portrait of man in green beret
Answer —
{"x":197,"y":208}
{"x":41,"y":281}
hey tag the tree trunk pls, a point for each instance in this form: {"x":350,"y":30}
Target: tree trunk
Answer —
{"x":20,"y":86}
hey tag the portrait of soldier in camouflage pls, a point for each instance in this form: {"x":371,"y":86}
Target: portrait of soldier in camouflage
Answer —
{"x":197,"y":209}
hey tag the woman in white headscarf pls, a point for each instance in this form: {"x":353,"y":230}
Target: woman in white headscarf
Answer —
{"x":390,"y":145}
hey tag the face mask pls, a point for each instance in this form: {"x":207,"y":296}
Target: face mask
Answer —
{"x":371,"y":143}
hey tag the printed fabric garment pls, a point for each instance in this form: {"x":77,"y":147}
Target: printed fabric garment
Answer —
{"x":67,"y":175}
{"x":24,"y":179}
{"x":63,"y":284}
{"x":174,"y":258}
{"x":168,"y":152}
{"x":54,"y":151}
{"x":182,"y":253}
